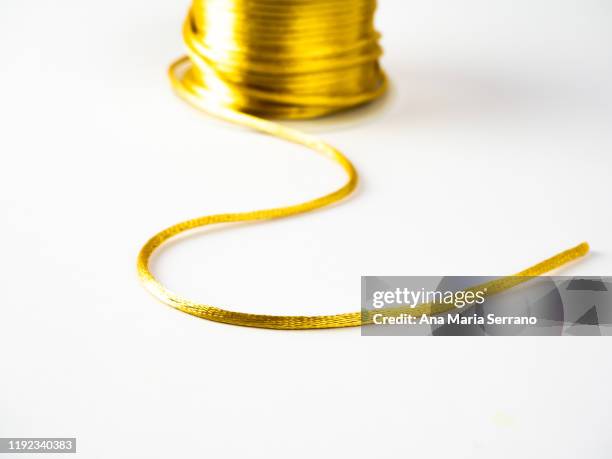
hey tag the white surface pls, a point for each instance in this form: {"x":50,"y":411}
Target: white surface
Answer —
{"x":491,"y":153}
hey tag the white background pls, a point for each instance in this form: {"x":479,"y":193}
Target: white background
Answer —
{"x":491,"y":152}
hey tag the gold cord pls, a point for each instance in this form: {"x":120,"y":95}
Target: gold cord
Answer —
{"x":292,"y":59}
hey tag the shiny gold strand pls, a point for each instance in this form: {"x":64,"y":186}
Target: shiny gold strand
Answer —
{"x":292,"y":59}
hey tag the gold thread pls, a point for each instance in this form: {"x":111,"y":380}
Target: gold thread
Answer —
{"x":292,"y":59}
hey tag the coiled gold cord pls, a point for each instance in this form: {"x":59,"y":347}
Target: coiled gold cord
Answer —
{"x":292,"y":59}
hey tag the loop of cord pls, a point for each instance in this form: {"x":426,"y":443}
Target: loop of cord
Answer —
{"x":252,"y":60}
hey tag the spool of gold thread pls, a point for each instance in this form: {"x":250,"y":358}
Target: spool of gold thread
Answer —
{"x":249,"y":61}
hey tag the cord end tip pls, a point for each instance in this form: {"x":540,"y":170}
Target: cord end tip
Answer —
{"x":583,"y":249}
